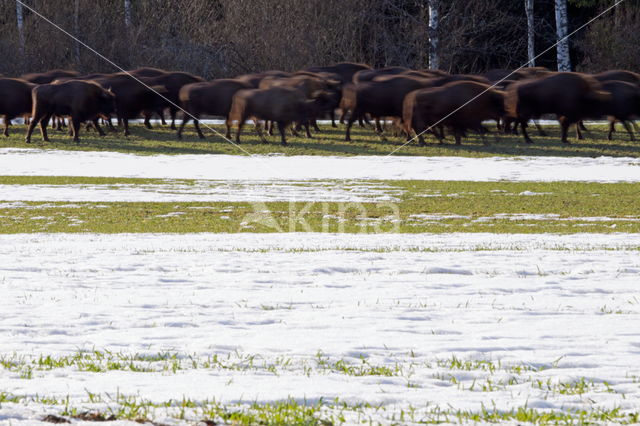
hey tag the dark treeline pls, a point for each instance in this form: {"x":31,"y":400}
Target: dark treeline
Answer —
{"x":219,"y":38}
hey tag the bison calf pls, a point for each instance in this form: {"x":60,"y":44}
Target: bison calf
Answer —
{"x":282,"y":105}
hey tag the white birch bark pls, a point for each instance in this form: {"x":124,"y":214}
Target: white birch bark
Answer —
{"x":562,"y":30}
{"x":434,"y":59}
{"x":127,"y":13}
{"x":531,"y":34}
{"x":20,"y":24}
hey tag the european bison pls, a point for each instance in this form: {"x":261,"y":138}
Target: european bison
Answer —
{"x":571,"y":96}
{"x":15,"y":99}
{"x":625,"y":104}
{"x":173,"y":82}
{"x":459,"y":106}
{"x":48,"y":76}
{"x":133,"y":97}
{"x":211,"y":98}
{"x":309,"y":84}
{"x":81,"y":100}
{"x":282,"y":105}
{"x":379,"y":99}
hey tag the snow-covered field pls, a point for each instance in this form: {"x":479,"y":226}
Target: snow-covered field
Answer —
{"x":563,"y":308}
{"x":389,"y":327}
{"x":37,"y":162}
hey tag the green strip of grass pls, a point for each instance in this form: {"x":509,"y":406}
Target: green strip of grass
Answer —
{"x":330,"y":141}
{"x":423,"y":206}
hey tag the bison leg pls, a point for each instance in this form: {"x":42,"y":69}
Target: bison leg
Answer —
{"x":75,"y":128}
{"x":96,"y":125}
{"x":315,"y":125}
{"x":582,"y":126}
{"x":185,"y":120}
{"x":7,"y":121}
{"x":125,"y":123}
{"x":541,"y":131}
{"x":564,"y":126}
{"x":281,"y":128}
{"x":525,"y":134}
{"x":147,"y":123}
{"x":579,"y":131}
{"x":37,"y":117}
{"x":172,"y":112}
{"x":306,"y":128}
{"x":333,"y":118}
{"x":43,"y":127}
{"x":196,"y":124}
{"x":629,"y":130}
{"x":612,"y":128}
{"x":350,"y":121}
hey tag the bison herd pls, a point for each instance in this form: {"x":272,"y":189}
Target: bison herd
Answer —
{"x":405,"y":101}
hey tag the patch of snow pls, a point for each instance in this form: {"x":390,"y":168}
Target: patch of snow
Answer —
{"x":31,"y":162}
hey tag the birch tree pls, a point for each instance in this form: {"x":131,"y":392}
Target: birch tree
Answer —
{"x":531,"y":34}
{"x":562,"y":30}
{"x":20,"y":24}
{"x":127,"y":13}
{"x":434,"y":60}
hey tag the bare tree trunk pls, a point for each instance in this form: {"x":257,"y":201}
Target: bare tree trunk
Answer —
{"x":531,"y":33}
{"x":76,"y":28}
{"x":433,"y":34}
{"x":127,"y":13}
{"x":20,"y":23}
{"x":562,"y":30}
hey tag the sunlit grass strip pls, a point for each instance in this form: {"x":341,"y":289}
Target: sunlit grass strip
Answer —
{"x":329,"y":141}
{"x":293,"y":411}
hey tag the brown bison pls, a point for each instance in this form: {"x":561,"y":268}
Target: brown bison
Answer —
{"x":48,"y":76}
{"x":618,"y":75}
{"x":571,"y":96}
{"x":458,"y":106}
{"x":133,"y":97}
{"x":309,"y":84}
{"x":624,"y":106}
{"x":173,"y":82}
{"x":80,"y":100}
{"x":345,"y":70}
{"x":282,"y":105}
{"x":211,"y":98}
{"x":15,"y":99}
{"x":379,"y":99}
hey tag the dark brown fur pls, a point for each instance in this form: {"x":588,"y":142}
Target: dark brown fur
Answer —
{"x":211,"y":98}
{"x":80,"y":100}
{"x":571,"y":96}
{"x":15,"y":99}
{"x":459,"y":106}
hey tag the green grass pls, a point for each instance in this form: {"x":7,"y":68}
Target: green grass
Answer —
{"x":421,"y":206}
{"x":330,"y":141}
{"x":293,"y":411}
